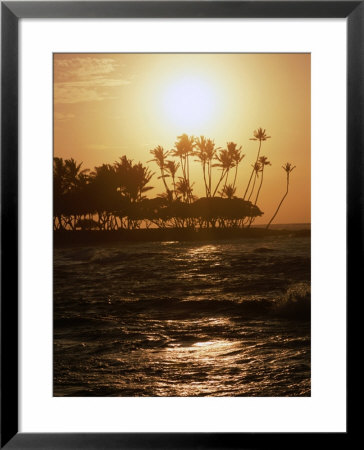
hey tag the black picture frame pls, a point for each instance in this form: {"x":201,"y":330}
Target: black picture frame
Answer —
{"x":11,"y":12}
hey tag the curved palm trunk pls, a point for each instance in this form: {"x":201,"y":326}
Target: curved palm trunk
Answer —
{"x":236,"y":174}
{"x":188,"y":178}
{"x":164,"y":180}
{"x":260,"y":186}
{"x":250,"y":179}
{"x":251,"y":193}
{"x":183,"y":164}
{"x":188,"y":168}
{"x":251,"y":220}
{"x":227,"y":176}
{"x":210,"y":176}
{"x":218,"y":184}
{"x":174,"y":185}
{"x":280,"y":204}
{"x":204,"y":178}
{"x":251,"y":175}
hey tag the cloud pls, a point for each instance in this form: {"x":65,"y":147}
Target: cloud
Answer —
{"x":85,"y":67}
{"x":86,"y":79}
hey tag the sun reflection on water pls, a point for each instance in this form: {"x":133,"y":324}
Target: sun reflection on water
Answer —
{"x":201,"y":351}
{"x":205,"y":249}
{"x":206,"y":366}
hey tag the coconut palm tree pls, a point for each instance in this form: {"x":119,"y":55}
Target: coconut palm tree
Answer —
{"x":172,"y":167}
{"x":263,"y":161}
{"x":205,"y":153}
{"x":69,"y":182}
{"x":259,"y":135}
{"x":225,"y":163}
{"x":59,"y":178}
{"x":73,"y":174}
{"x":140,"y":177}
{"x":256,"y":170}
{"x":210,"y":155}
{"x":132,"y":179}
{"x":185,"y":189}
{"x":105,"y":192}
{"x":59,"y":188}
{"x":236,"y":157}
{"x":160,"y":156}
{"x":184,"y":149}
{"x":288,"y":169}
{"x":201,"y":153}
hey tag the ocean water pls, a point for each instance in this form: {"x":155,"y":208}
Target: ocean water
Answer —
{"x":223,"y":318}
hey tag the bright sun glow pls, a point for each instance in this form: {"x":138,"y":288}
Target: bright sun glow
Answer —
{"x":189,"y":102}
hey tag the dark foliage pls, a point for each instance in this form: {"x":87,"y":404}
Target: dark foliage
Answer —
{"x":112,"y":196}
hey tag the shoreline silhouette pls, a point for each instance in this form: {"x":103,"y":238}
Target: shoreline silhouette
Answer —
{"x":80,"y":237}
{"x":112,"y":197}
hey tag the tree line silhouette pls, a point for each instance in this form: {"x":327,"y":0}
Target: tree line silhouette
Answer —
{"x":112,"y":196}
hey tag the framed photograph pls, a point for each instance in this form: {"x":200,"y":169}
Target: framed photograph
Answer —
{"x":180,"y":221}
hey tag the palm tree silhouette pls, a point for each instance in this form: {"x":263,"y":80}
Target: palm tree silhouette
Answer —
{"x":201,"y":153}
{"x":256,"y":170}
{"x":225,"y":162}
{"x":132,"y":179}
{"x":115,"y":193}
{"x":236,"y":157}
{"x":68,"y":181}
{"x":263,"y":161}
{"x":205,"y":153}
{"x":259,"y":135}
{"x":172,"y":167}
{"x":288,"y":169}
{"x":185,"y":189}
{"x":210,"y":154}
{"x":139,"y":178}
{"x":73,"y":175}
{"x":160,"y":156}
{"x":59,"y":172}
{"x":184,"y":149}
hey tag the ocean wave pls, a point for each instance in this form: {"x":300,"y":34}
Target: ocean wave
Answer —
{"x":295,"y":303}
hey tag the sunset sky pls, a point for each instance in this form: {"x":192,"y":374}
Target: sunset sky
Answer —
{"x":109,"y":105}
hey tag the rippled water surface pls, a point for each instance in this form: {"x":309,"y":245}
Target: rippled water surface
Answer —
{"x":226,"y":318}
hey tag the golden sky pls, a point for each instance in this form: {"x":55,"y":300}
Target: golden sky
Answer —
{"x":109,"y":105}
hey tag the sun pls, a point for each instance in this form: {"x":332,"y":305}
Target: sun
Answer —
{"x":189,"y":102}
